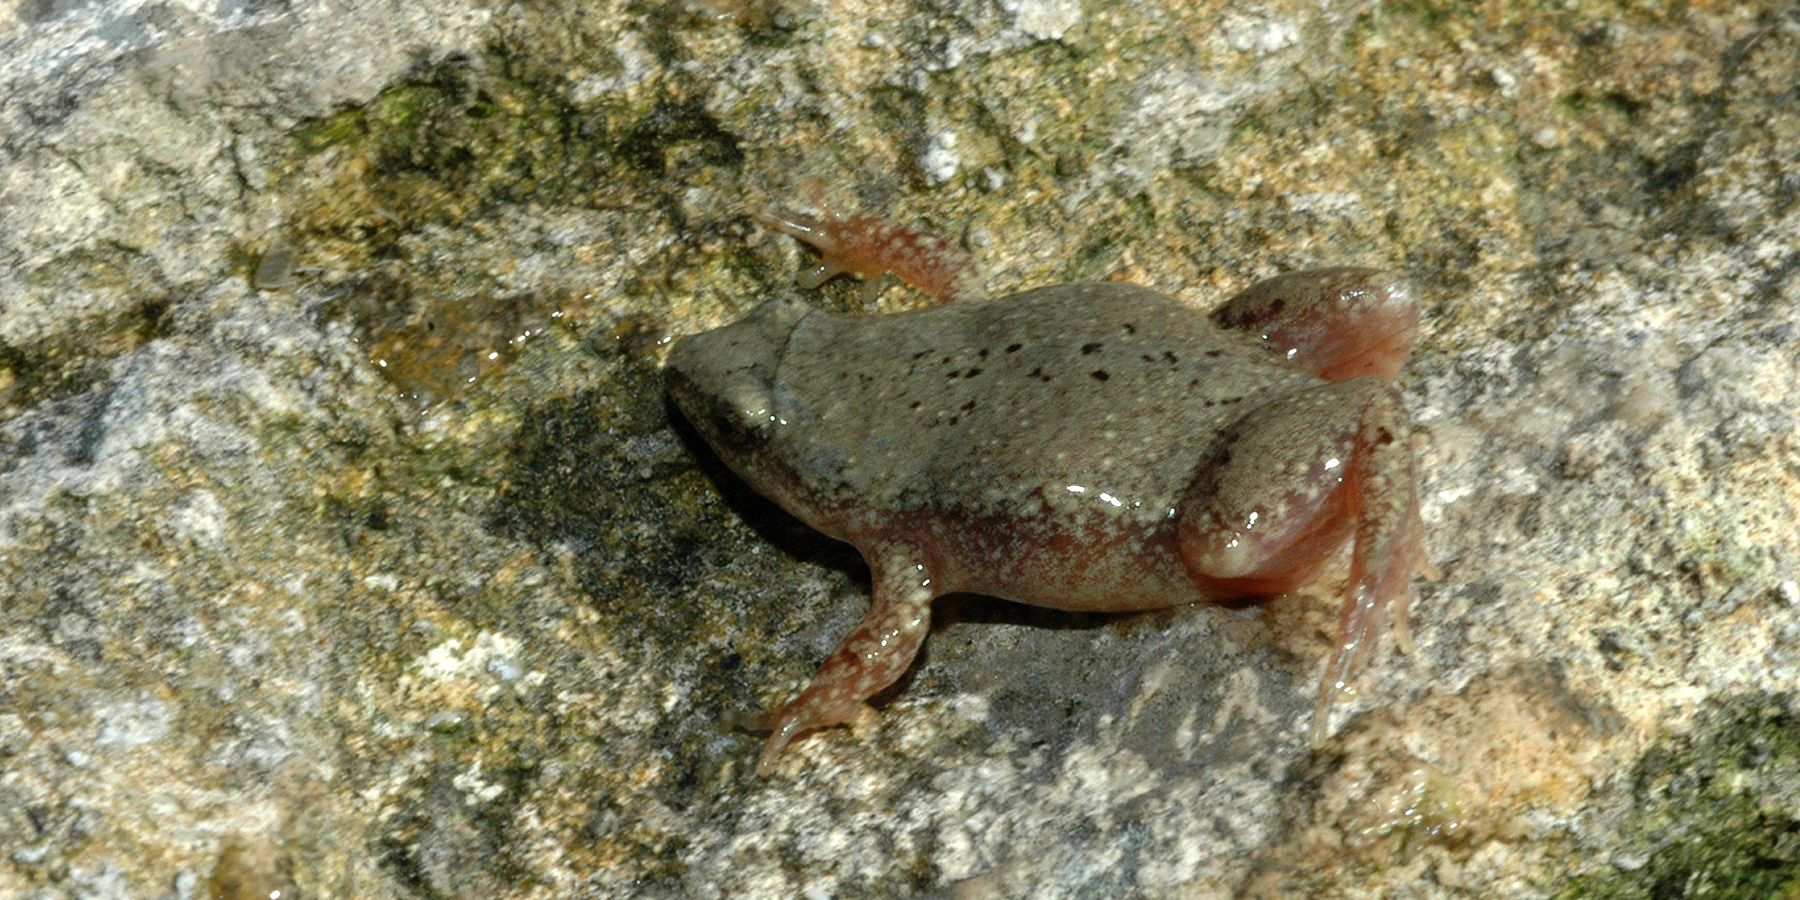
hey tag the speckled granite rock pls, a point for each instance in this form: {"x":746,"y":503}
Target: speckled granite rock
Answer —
{"x":346,"y":548}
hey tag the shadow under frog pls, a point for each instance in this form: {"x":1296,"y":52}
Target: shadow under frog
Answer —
{"x":952,"y":612}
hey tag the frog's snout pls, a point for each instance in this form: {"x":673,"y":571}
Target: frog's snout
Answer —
{"x":726,"y":395}
{"x":724,"y":380}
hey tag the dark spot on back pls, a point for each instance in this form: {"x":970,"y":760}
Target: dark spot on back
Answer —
{"x":1087,"y":349}
{"x":1099,"y":375}
{"x":1169,"y":357}
{"x":1214,"y":353}
{"x":1129,"y":328}
{"x":1013,"y":348}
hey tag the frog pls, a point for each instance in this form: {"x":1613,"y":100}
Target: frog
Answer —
{"x":1087,"y":447}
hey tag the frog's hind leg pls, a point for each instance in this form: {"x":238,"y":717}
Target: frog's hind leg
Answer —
{"x":1386,"y":553}
{"x":874,"y":655}
{"x":1336,"y":323}
{"x":1294,"y":479}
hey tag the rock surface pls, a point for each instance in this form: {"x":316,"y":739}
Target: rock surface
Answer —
{"x":347,"y":548}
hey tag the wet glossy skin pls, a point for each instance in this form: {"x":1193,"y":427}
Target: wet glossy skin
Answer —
{"x":1082,"y":447}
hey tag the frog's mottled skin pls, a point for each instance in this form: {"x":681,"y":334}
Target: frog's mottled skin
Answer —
{"x":1081,"y":447}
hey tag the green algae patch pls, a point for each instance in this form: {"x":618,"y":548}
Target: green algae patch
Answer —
{"x":454,"y":215}
{"x":73,"y":360}
{"x":1717,"y":813}
{"x":443,"y":146}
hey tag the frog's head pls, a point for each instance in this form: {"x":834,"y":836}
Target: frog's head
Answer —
{"x":724,"y":380}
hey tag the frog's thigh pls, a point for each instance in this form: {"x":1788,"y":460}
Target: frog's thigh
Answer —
{"x":1278,"y":497}
{"x":1336,"y":323}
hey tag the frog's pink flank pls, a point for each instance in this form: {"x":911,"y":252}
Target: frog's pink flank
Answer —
{"x":1081,"y":447}
{"x":870,"y":247}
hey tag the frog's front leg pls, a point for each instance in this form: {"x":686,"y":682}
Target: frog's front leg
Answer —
{"x":1286,"y":485}
{"x":869,"y":247}
{"x":874,"y":655}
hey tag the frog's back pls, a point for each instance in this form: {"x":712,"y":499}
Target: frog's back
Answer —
{"x":1095,"y":397}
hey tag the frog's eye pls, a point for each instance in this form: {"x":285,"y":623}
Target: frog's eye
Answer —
{"x":745,"y":422}
{"x":738,"y":426}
